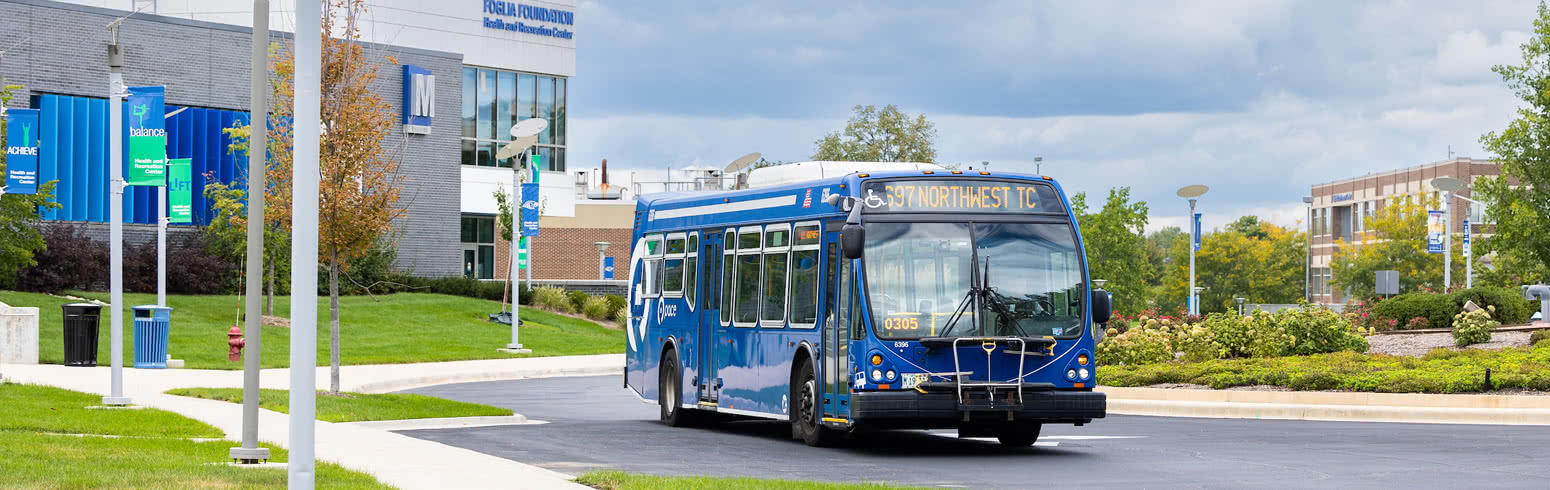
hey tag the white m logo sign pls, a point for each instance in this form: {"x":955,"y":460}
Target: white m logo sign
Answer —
{"x":422,"y":102}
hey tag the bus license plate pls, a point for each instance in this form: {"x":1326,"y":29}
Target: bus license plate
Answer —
{"x":912,"y":380}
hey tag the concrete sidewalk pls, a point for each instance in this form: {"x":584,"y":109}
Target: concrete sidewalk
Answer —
{"x":397,"y":460}
{"x":1331,"y":406}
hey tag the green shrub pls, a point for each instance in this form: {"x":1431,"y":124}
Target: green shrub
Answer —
{"x":616,"y":303}
{"x":1474,"y":327}
{"x":1197,"y":343}
{"x":596,"y":308}
{"x":1538,"y":336}
{"x":622,"y":315}
{"x":1319,"y":331}
{"x":1511,"y":308}
{"x":1135,"y":347}
{"x":1438,"y":309}
{"x":553,"y":299}
{"x":1230,"y":332}
{"x":578,"y":300}
{"x":1417,"y":323}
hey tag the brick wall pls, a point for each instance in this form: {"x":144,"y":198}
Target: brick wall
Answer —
{"x":60,"y":48}
{"x":569,"y":253}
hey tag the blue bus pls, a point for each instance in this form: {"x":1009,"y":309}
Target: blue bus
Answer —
{"x":916,"y":299}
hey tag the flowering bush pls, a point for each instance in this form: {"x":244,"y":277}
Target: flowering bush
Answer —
{"x":1319,"y":330}
{"x":1135,"y":347}
{"x":1417,"y":322}
{"x":1118,"y":325}
{"x":1474,"y":327}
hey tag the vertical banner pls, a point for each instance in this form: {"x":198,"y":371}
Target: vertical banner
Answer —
{"x":180,"y":190}
{"x":522,"y":253}
{"x":530,"y":210}
{"x":1466,"y":236}
{"x":536,"y":164}
{"x":608,"y":267}
{"x":1434,"y":231}
{"x":1196,"y":237}
{"x":21,"y":152}
{"x":147,"y":137}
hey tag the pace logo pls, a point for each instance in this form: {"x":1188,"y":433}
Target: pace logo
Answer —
{"x":419,"y":99}
{"x":666,"y":311}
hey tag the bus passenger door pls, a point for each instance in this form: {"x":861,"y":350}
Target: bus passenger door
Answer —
{"x":836,"y":338}
{"x":710,"y":314}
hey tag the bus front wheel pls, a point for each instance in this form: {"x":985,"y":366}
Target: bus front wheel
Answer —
{"x":669,"y":389}
{"x":806,"y":409}
{"x":1019,"y":435}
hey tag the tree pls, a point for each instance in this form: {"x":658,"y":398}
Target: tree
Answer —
{"x":1258,"y":261}
{"x":1396,"y":242}
{"x":1519,"y":199}
{"x":1116,"y":247}
{"x":359,"y":189}
{"x":1159,"y":247}
{"x":232,"y":234}
{"x":886,"y":135}
{"x":19,"y":216}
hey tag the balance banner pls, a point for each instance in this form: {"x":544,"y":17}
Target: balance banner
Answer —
{"x":147,"y":137}
{"x":180,"y":190}
{"x":21,"y":152}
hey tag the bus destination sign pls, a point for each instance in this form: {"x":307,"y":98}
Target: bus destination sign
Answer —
{"x":960,"y":196}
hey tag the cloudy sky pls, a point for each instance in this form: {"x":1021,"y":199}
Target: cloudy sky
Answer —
{"x":1259,"y":100}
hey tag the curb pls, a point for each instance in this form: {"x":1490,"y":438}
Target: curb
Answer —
{"x":444,"y":422}
{"x":1332,"y":406}
{"x":471,"y":377}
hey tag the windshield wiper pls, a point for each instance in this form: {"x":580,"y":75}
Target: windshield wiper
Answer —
{"x":994,"y":300}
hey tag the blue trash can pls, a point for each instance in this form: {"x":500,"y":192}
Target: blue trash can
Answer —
{"x":153,"y":330}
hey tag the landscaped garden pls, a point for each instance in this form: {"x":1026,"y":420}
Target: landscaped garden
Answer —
{"x":1314,"y":348}
{"x":383,"y":329}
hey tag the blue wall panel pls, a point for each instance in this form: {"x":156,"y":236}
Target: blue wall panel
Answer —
{"x":74,"y":136}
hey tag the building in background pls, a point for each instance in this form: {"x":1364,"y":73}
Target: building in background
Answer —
{"x":1344,"y":208}
{"x":466,"y":72}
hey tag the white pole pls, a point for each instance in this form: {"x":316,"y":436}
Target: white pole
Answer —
{"x":1469,"y":258}
{"x":515,"y":347}
{"x":258,"y":178}
{"x":161,"y":243}
{"x":1447,"y":240}
{"x":304,"y":245}
{"x":1194,"y":309}
{"x":116,"y":224}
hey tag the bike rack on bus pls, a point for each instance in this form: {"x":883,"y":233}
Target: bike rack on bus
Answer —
{"x":988,"y":344}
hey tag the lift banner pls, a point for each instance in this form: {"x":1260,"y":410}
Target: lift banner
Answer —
{"x":961,"y":196}
{"x":147,"y":137}
{"x":180,"y":190}
{"x":21,"y":152}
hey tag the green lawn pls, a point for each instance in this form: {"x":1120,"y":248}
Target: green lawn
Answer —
{"x":401,"y":328}
{"x":356,"y":407}
{"x":1440,"y":371}
{"x":618,"y":480}
{"x":154,"y":450}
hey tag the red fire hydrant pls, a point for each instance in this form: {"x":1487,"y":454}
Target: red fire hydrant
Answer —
{"x":236,"y":342}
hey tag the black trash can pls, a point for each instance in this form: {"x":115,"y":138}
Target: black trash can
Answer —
{"x":81,"y":333}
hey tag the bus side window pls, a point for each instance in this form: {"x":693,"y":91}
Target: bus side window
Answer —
{"x":728,"y":266}
{"x":692,"y":269}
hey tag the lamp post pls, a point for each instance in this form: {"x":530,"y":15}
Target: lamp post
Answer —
{"x":1240,"y":301}
{"x":1192,"y":192}
{"x":525,"y":134}
{"x":1038,"y":165}
{"x":1307,"y":252}
{"x":601,"y":261}
{"x":1448,"y":186}
{"x":1451,"y":187}
{"x":258,"y":96}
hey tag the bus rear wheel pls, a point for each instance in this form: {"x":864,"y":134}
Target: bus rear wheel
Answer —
{"x":806,"y":410}
{"x":669,"y":388}
{"x":1019,"y":435}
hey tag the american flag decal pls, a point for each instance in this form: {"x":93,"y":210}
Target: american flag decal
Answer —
{"x":807,"y":202}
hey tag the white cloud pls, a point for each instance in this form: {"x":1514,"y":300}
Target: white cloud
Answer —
{"x":1469,"y":55}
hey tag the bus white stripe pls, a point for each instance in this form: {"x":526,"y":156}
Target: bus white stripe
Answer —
{"x":730,"y":207}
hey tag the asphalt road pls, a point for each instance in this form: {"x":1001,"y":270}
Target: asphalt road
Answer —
{"x":593,"y":423}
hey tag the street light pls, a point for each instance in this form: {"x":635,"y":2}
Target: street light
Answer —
{"x":1038,"y":165}
{"x":1240,"y":301}
{"x":1448,"y":185}
{"x":602,"y":268}
{"x":525,"y":134}
{"x":1307,"y":252}
{"x":1192,"y":192}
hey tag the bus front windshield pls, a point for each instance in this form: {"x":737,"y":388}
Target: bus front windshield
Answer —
{"x":918,"y":275}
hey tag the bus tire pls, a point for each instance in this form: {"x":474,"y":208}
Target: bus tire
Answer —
{"x":1019,"y":435}
{"x":806,"y":410}
{"x":669,"y":390}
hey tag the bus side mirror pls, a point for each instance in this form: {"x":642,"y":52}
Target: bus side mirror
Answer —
{"x":852,"y":237}
{"x":1103,"y":307}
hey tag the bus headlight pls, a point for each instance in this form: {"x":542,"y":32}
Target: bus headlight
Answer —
{"x":1070,"y":374}
{"x":892,"y":375}
{"x":1082,"y":373}
{"x":877,"y":375}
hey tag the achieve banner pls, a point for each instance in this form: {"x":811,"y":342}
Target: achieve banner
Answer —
{"x":147,"y":137}
{"x":180,"y":190}
{"x":21,"y":152}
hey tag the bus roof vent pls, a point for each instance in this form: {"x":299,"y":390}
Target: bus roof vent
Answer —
{"x":792,"y":173}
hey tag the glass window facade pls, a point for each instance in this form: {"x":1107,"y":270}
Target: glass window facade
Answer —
{"x":478,"y":237}
{"x":495,"y":100}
